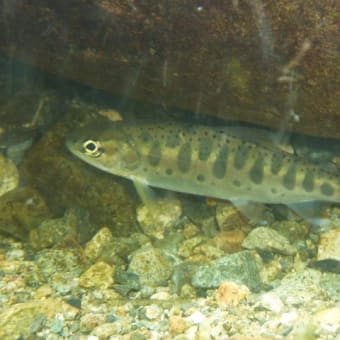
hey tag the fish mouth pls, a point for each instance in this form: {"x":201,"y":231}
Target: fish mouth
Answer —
{"x":69,"y":142}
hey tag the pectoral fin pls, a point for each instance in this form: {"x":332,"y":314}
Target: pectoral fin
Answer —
{"x":145,"y":193}
{"x":256,"y":213}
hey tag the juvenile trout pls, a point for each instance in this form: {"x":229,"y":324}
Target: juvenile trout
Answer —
{"x":200,"y":160}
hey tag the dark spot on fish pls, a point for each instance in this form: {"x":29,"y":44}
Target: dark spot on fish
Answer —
{"x":308,"y":181}
{"x":241,"y":156}
{"x":237,"y":183}
{"x":277,"y":162}
{"x":256,"y":172}
{"x":155,"y":153}
{"x":273,"y":190}
{"x":184,"y":157}
{"x":327,"y":189}
{"x":220,"y":164}
{"x":289,"y":179}
{"x":169,"y":171}
{"x":204,"y":148}
{"x":200,"y":178}
{"x":172,"y":140}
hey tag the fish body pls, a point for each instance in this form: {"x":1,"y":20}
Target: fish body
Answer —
{"x":202,"y":160}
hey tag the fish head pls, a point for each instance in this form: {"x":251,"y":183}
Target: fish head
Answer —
{"x":109,"y":148}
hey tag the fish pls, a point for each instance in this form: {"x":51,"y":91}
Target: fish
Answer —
{"x":211,"y":161}
{"x":9,"y":175}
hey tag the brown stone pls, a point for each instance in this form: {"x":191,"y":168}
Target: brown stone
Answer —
{"x":230,"y":294}
{"x":22,"y":210}
{"x":229,"y":241}
{"x":274,"y":63}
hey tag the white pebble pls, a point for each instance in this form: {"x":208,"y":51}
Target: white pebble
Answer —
{"x":271,"y":302}
{"x":196,"y":317}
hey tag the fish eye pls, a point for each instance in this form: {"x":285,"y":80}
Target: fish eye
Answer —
{"x":92,"y":148}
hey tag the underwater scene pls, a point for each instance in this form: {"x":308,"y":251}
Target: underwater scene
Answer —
{"x":169,"y":170}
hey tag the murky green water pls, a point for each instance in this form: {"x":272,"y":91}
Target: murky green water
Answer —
{"x":85,"y":252}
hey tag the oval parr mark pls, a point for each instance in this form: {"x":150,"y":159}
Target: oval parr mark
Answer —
{"x":256,"y":172}
{"x":326,"y":189}
{"x":155,"y":153}
{"x":277,"y":162}
{"x":184,"y":157}
{"x":308,"y":181}
{"x":220,"y":164}
{"x":204,"y":148}
{"x":289,"y":179}
{"x":241,"y":156}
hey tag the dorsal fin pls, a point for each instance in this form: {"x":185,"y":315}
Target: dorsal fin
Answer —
{"x":258,"y":136}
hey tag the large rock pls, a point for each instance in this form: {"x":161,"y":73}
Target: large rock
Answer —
{"x":277,"y":64}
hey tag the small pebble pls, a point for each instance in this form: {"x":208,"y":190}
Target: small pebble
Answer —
{"x":328,"y":319}
{"x":161,"y":296}
{"x":329,"y":246}
{"x":15,"y":254}
{"x":43,"y":291}
{"x":229,"y":218}
{"x":229,"y":241}
{"x":159,"y":218}
{"x":196,"y":317}
{"x":151,"y":265}
{"x":177,"y":324}
{"x":99,"y":275}
{"x":264,"y":238}
{"x":9,"y":176}
{"x":97,"y":244}
{"x":152,"y":312}
{"x":231,"y":294}
{"x":272,"y":302}
{"x":104,"y":331}
{"x":90,"y":321}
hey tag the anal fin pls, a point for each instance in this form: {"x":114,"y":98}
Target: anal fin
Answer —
{"x":312,"y":212}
